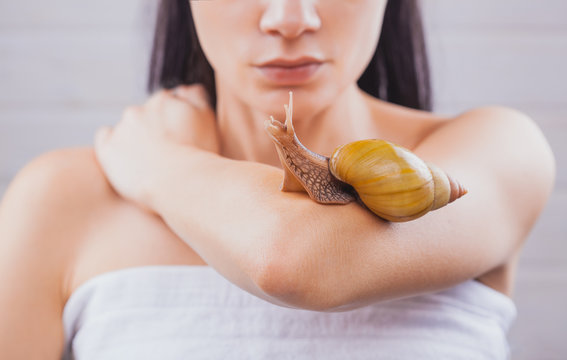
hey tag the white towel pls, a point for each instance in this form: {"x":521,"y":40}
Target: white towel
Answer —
{"x":192,"y":312}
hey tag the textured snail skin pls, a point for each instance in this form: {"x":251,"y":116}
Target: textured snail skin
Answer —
{"x":305,"y":170}
{"x":389,"y":180}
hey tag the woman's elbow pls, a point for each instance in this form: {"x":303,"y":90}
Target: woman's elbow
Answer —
{"x":295,"y":280}
{"x":290,"y":288}
{"x":299,"y":267}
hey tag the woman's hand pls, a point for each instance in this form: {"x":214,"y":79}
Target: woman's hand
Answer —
{"x":129,"y":152}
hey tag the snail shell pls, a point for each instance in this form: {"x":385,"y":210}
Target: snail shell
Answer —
{"x":391,"y":181}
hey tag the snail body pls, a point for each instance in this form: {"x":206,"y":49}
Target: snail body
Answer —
{"x":389,"y":180}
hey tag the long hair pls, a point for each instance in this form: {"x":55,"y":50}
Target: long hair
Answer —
{"x":398,"y":72}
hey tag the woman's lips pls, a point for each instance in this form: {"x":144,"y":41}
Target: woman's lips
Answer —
{"x":290,"y":75}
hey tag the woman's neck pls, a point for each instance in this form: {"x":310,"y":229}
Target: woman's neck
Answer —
{"x":243,"y":137}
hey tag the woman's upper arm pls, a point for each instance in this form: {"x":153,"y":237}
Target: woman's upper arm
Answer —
{"x":349,"y":258}
{"x":508,"y":154}
{"x":34,"y":253}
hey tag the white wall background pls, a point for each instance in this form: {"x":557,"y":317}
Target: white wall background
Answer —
{"x":68,"y":67}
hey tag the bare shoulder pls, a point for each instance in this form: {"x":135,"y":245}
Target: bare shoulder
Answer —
{"x":41,"y":214}
{"x":71,"y":173}
{"x":55,"y":193}
{"x":58,"y":182}
{"x":497,"y":147}
{"x":60,"y":190}
{"x":505,"y":161}
{"x":504,"y":144}
{"x":508,"y":144}
{"x":87,"y":226}
{"x":63,"y":194}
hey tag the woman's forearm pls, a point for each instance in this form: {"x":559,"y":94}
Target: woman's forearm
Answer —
{"x":290,"y":250}
{"x":233,"y":214}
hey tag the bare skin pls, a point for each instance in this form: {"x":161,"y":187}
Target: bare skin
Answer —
{"x":153,"y":234}
{"x":87,"y":230}
{"x":126,"y":222}
{"x":61,"y":223}
{"x":407,"y":128}
{"x":107,"y":243}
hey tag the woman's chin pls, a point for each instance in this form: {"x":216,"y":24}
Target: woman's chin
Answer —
{"x":305,"y":101}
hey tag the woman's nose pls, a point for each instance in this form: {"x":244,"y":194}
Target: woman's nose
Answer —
{"x":290,"y":18}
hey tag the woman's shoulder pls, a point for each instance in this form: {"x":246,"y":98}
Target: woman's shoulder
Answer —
{"x":87,"y":225}
{"x":59,"y":180}
{"x":503,"y":138}
{"x":510,"y":135}
{"x":63,"y":186}
{"x":502,"y":157}
{"x":498,"y":147}
{"x":504,"y":132}
{"x":58,"y":189}
{"x":505,"y":147}
{"x":40,"y":213}
{"x":69,"y":174}
{"x":110,"y":233}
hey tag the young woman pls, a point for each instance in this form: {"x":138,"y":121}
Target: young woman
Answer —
{"x":171,"y":238}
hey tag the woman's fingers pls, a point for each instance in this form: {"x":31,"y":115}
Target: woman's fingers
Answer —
{"x":159,"y":98}
{"x":181,"y":115}
{"x":194,"y":94}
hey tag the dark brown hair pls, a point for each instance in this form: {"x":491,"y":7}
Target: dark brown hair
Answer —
{"x":398,"y":71}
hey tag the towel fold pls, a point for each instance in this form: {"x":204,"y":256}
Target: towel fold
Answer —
{"x":186,"y":312}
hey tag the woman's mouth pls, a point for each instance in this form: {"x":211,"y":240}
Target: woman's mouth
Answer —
{"x":289,"y":75}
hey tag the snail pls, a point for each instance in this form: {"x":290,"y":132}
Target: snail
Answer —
{"x":385,"y":178}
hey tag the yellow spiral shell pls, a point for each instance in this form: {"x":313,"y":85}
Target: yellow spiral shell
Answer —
{"x":393,"y":182}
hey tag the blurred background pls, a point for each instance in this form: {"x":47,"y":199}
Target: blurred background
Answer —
{"x":68,"y":67}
